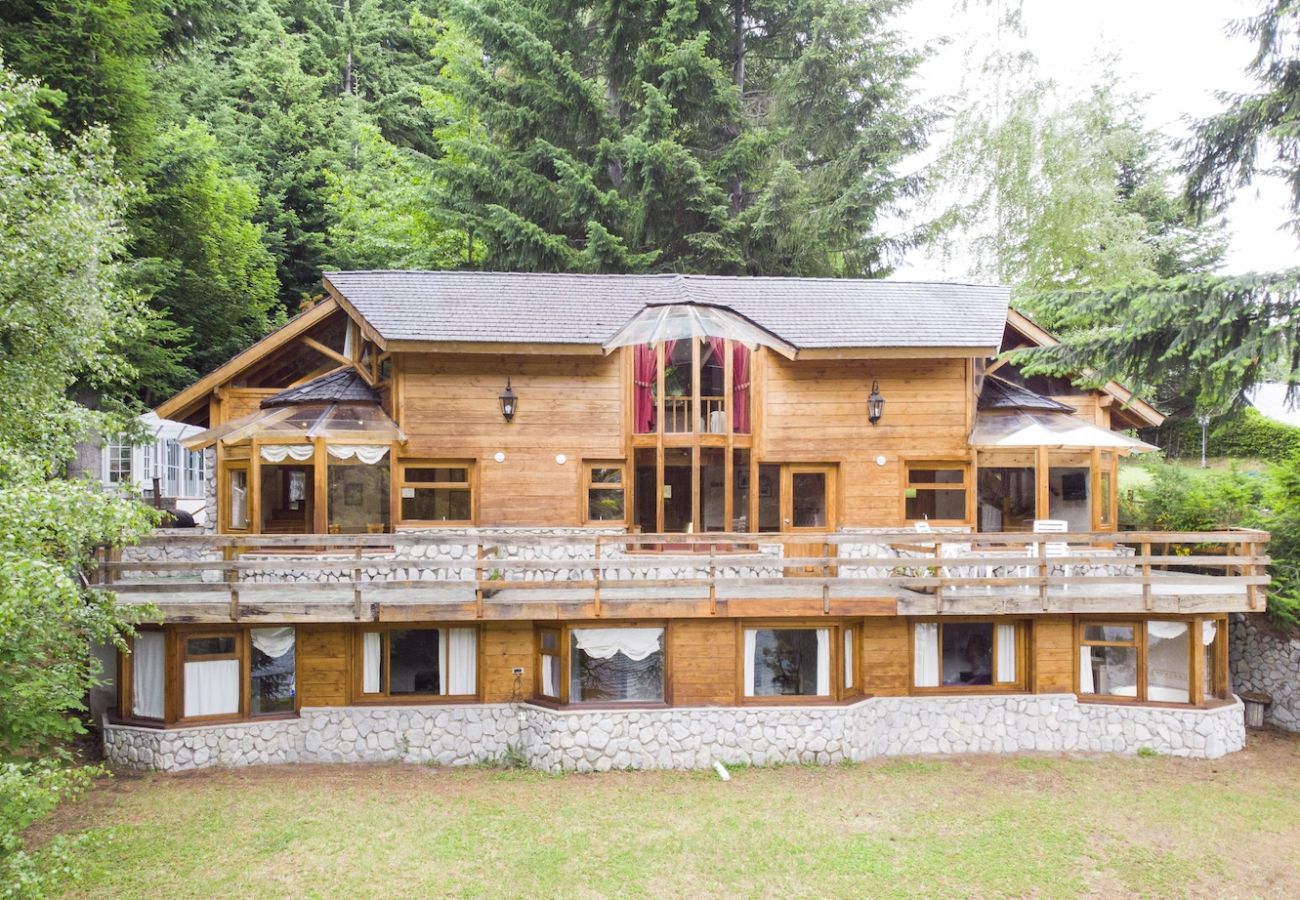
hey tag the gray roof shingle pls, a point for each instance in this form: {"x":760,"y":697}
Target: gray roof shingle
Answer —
{"x":809,"y":313}
{"x":343,"y":386}
{"x":998,"y":393}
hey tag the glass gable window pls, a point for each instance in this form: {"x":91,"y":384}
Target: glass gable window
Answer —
{"x":419,"y":662}
{"x":787,"y":662}
{"x":615,"y":665}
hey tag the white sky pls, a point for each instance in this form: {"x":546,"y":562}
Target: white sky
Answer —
{"x":1176,"y":51}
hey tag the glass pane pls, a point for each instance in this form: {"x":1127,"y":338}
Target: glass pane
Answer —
{"x":936,"y":476}
{"x":741,"y":366}
{"x":550,"y":641}
{"x":238,"y":498}
{"x":713,"y":401}
{"x":287,"y":498}
{"x":210,"y":646}
{"x":849,"y":635}
{"x":550,"y":667}
{"x":930,"y":504}
{"x":1213,"y":631}
{"x":1123,"y":633}
{"x":359,"y":497}
{"x":1069,"y":498}
{"x":769,"y":498}
{"x":436,"y":504}
{"x":1109,"y":670}
{"x":1105,"y":498}
{"x":713,"y":489}
{"x":1006,"y":499}
{"x":617,"y":678}
{"x":271,"y":670}
{"x":602,"y":475}
{"x":785,"y":662}
{"x":413,"y":662}
{"x":677,"y":387}
{"x":967,"y":653}
{"x":808,"y":492}
{"x":647,"y":503}
{"x":436,"y":473}
{"x":740,"y":490}
{"x":677,"y":491}
{"x":1167,"y":662}
{"x":604,"y":504}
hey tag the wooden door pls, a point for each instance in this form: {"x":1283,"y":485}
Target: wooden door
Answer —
{"x":807,"y":507}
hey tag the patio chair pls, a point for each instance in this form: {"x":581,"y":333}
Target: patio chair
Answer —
{"x":1055,"y":548}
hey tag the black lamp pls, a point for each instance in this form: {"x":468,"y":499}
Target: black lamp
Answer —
{"x":508,"y":402}
{"x":875,"y":403}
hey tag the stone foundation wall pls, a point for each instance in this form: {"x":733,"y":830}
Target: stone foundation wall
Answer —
{"x":1266,"y":660}
{"x":684,"y":738}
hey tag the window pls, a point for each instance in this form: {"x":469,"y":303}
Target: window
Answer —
{"x":195,"y":473}
{"x":171,"y":486}
{"x":237,"y":507}
{"x":272,"y":671}
{"x":419,"y":662}
{"x":147,"y":675}
{"x":437,"y":492}
{"x":119,"y":463}
{"x":850,"y":659}
{"x":787,"y":662}
{"x":614,"y":665}
{"x":959,"y":655}
{"x":604,"y":492}
{"x":935,"y":491}
{"x":359,"y":494}
{"x":1152,"y":661}
{"x":1007,"y":498}
{"x":211,"y":675}
{"x":549,"y":663}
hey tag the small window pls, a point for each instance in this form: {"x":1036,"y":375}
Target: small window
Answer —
{"x":419,"y":662}
{"x":119,"y":463}
{"x":935,"y":492}
{"x":437,"y":492}
{"x":787,"y":662}
{"x":211,"y":675}
{"x":238,"y":506}
{"x":604,"y":492}
{"x":147,"y":666}
{"x":272,"y":671}
{"x":616,"y":665}
{"x":954,"y":656}
{"x":549,"y":663}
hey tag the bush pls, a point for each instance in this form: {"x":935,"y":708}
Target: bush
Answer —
{"x":1181,"y":499}
{"x":1244,"y":434}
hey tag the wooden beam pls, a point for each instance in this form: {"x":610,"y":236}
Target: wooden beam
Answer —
{"x":325,"y":351}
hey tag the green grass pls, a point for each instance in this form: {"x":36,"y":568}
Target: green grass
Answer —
{"x":1051,"y":826}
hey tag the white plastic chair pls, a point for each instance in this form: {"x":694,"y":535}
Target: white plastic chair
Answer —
{"x":1055,"y":548}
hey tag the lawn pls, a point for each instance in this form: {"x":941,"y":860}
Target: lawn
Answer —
{"x":964,"y":826}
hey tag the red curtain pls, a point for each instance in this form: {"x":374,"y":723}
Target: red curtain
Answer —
{"x":740,"y":388}
{"x":645,"y":365}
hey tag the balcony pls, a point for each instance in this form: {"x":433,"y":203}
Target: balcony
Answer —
{"x":522,"y":574}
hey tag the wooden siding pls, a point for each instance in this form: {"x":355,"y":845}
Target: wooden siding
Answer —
{"x":703,"y":653}
{"x":323,"y":653}
{"x":886,"y":657}
{"x":1052,"y":649}
{"x":567,"y":405}
{"x":504,"y":647}
{"x":817,"y":412}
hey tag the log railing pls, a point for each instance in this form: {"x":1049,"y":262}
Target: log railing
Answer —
{"x":907,"y":564}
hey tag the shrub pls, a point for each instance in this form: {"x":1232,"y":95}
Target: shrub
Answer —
{"x":1244,"y":434}
{"x":1181,"y":499}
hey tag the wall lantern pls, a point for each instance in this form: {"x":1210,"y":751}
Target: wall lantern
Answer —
{"x":509,"y":402}
{"x":875,"y":403}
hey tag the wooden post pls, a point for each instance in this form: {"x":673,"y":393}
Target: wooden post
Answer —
{"x":826,"y":574}
{"x":1252,"y":590}
{"x":1044,"y":570}
{"x":356,"y":585}
{"x":596,"y":572}
{"x":478,"y":580}
{"x":938,"y":573}
{"x":232,"y":578}
{"x":1146,"y":575}
{"x":713,"y":586}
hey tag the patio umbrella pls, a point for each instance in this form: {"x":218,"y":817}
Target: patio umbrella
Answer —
{"x":676,"y":321}
{"x":1059,"y":431}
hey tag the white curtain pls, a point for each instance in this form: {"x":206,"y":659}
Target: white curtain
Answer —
{"x":368,"y":454}
{"x":212,"y":688}
{"x":280,"y":452}
{"x":848,"y":657}
{"x":238,"y":501}
{"x":548,"y":677}
{"x":371,"y":655}
{"x":1208,"y":631}
{"x":751,"y":647}
{"x":823,"y":662}
{"x":925,"y":652}
{"x":274,"y":642}
{"x":634,"y":643}
{"x":1006,"y":653}
{"x":1166,"y":630}
{"x":147,"y":675}
{"x":1086,"y":685}
{"x":461,"y":661}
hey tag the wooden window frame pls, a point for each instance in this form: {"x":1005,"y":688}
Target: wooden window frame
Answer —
{"x":1023,"y":650}
{"x":838,"y":695}
{"x":126,"y":687}
{"x":584,"y":500}
{"x":399,"y":482}
{"x":948,"y":464}
{"x":1195,"y":659}
{"x":182,"y":656}
{"x":384,"y":697}
{"x":565,"y":653}
{"x":225,"y":504}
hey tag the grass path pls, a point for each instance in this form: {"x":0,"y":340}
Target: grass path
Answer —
{"x":962,"y":826}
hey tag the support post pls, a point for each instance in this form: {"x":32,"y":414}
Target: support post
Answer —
{"x":713,"y":586}
{"x":1044,"y":570}
{"x":1252,"y":590}
{"x":478,"y":580}
{"x":595,"y":571}
{"x":356,"y":585}
{"x":1146,"y":575}
{"x":826,"y":575}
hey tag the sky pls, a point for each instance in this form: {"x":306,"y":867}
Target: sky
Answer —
{"x":1175,"y":51}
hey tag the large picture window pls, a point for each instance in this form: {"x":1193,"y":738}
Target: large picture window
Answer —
{"x":961,"y":655}
{"x":210,"y":674}
{"x":272,"y":673}
{"x":1153,"y":661}
{"x":440,"y":492}
{"x":419,"y":662}
{"x":787,"y":662}
{"x":615,"y":665}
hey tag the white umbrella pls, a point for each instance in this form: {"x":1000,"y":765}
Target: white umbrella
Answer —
{"x":1059,"y":431}
{"x":676,"y":321}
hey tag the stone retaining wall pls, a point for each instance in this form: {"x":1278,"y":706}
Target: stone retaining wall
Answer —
{"x":684,"y":738}
{"x":1266,"y":660}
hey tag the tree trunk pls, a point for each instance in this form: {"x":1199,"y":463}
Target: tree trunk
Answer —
{"x":736,"y":187}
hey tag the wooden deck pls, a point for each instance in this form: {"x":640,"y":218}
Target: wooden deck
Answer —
{"x":450,"y":576}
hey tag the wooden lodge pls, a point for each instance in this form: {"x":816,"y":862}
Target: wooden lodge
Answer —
{"x":602,"y":520}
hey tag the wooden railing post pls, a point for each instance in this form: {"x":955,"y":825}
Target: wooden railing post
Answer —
{"x":356,"y":585}
{"x":231,"y":554}
{"x":1146,"y":574}
{"x":826,"y":574}
{"x":595,"y":571}
{"x":1044,"y":570}
{"x":713,"y":585}
{"x":1252,"y":590}
{"x":478,"y":580}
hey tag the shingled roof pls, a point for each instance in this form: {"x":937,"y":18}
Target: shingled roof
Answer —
{"x":343,"y":386}
{"x":998,"y":393}
{"x":809,"y":313}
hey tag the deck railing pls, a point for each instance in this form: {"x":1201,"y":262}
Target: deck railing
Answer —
{"x":1006,"y":570}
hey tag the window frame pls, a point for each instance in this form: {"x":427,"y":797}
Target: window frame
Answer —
{"x":1195,"y":659}
{"x":226,"y":497}
{"x":1023,"y":648}
{"x":400,"y":482}
{"x":946,"y":464}
{"x":182,"y":652}
{"x":838,"y":695}
{"x":565,"y":653}
{"x":384,"y":697}
{"x":584,"y":499}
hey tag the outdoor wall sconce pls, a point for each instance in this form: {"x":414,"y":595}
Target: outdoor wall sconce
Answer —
{"x":509,"y":402}
{"x":875,"y":403}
